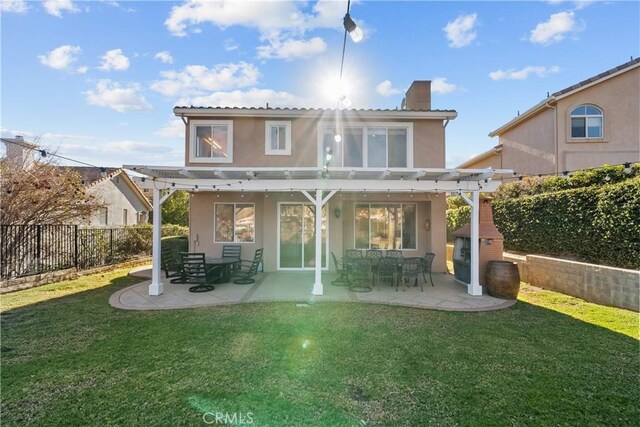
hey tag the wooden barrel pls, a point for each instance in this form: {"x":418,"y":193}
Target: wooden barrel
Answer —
{"x":503,"y":279}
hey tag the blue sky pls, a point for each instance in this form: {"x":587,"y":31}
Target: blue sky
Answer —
{"x":97,"y":80}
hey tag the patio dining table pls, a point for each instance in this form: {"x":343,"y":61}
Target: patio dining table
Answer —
{"x":226,"y":263}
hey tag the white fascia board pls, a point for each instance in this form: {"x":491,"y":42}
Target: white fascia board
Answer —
{"x":355,"y":114}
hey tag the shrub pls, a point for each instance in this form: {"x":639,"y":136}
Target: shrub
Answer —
{"x":137,"y":239}
{"x":595,"y":224}
{"x":456,"y":218}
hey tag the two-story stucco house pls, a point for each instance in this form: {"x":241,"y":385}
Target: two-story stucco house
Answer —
{"x":302,"y":183}
{"x":586,"y":125}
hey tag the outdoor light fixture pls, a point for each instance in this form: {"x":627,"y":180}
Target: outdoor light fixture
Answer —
{"x":337,"y":137}
{"x":427,"y":225}
{"x":337,"y":212}
{"x":354,"y":31}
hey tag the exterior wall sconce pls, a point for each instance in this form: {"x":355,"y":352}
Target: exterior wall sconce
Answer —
{"x":427,"y":225}
{"x":337,"y":212}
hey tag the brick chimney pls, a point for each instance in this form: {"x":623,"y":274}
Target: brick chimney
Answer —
{"x":418,"y":96}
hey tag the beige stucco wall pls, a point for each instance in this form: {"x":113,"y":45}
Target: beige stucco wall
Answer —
{"x":340,"y":230}
{"x":529,"y":148}
{"x":619,"y":98}
{"x":117,"y":195}
{"x":249,"y":142}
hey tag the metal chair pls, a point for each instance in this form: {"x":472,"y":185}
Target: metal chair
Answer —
{"x":342,"y":279}
{"x":360,"y":275}
{"x":232,"y":251}
{"x":394,"y":253}
{"x":374,"y":253}
{"x":195,"y":271}
{"x":353,"y":253}
{"x":411,"y":267}
{"x":171,"y":265}
{"x":427,"y":261}
{"x":388,"y":269}
{"x":246,"y":276}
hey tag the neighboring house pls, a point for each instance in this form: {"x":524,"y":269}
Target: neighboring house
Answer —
{"x":586,"y":125}
{"x":258,"y":176}
{"x":124,"y":203}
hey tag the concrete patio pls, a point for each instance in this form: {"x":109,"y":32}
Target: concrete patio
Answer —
{"x":296,"y":287}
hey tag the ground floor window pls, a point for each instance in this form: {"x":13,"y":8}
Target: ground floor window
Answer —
{"x":235,"y":222}
{"x":385,"y":226}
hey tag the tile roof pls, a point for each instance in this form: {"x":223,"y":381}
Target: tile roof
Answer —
{"x":598,"y":77}
{"x":90,"y":175}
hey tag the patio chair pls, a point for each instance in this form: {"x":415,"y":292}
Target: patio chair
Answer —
{"x":342,"y":279}
{"x":387,"y":269}
{"x":195,"y":271}
{"x":360,"y":275}
{"x":248,"y":269}
{"x":427,"y":261}
{"x":411,"y":267}
{"x":394,"y":253}
{"x":171,"y":266}
{"x":374,"y":254}
{"x":232,"y":251}
{"x":353,"y":253}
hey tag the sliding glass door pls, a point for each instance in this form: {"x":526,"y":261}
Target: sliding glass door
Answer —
{"x":297,"y":236}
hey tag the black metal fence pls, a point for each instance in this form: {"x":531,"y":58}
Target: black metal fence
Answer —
{"x":35,"y":249}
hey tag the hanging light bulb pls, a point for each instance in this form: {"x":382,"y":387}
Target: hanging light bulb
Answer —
{"x":354,"y":31}
{"x":337,"y":137}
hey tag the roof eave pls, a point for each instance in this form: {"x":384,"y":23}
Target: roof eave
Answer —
{"x":492,"y":152}
{"x":524,"y":116}
{"x":361,"y":114}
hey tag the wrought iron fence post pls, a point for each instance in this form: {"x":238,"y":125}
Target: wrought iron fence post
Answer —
{"x":38,"y":247}
{"x":75,"y":246}
{"x":111,"y":245}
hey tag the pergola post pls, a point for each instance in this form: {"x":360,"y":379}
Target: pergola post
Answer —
{"x":156,"y":287}
{"x":318,"y":289}
{"x":474,"y":287}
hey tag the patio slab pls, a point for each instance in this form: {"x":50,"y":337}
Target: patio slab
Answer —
{"x":447,"y":294}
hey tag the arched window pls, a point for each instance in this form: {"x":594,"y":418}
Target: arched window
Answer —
{"x":586,"y":122}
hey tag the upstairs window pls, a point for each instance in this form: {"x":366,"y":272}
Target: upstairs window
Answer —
{"x":375,"y":145}
{"x":586,"y":122}
{"x":277,"y":138}
{"x":211,"y":141}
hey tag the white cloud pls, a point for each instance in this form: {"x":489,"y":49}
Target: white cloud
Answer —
{"x":82,"y":70}
{"x":61,"y":57}
{"x":523,"y":73}
{"x":196,"y":79}
{"x":114,"y":60}
{"x":172,"y":129}
{"x":120,"y":98}
{"x":230,"y":44}
{"x":249,"y":98}
{"x":385,"y":88}
{"x":440,"y":86}
{"x":554,"y":29}
{"x":577,"y":5}
{"x":56,"y":7}
{"x":289,"y":49}
{"x":13,"y":6}
{"x":461,"y":31}
{"x":164,"y":57}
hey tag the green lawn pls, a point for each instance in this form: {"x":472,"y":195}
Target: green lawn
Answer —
{"x":68,"y":358}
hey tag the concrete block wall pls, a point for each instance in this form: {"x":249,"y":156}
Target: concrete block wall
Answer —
{"x":599,"y":284}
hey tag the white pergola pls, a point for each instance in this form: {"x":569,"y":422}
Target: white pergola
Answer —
{"x":319,"y":185}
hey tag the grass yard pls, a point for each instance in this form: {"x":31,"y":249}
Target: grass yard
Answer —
{"x":68,"y":358}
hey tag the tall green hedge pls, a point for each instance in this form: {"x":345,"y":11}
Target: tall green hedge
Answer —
{"x":599,"y":224}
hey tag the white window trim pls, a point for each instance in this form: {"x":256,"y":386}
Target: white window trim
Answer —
{"x":365,"y":143}
{"x":192,"y":141}
{"x":355,"y":205}
{"x":267,"y":138}
{"x":586,"y":124}
{"x":234,"y":222}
